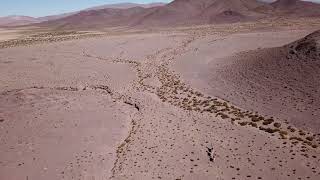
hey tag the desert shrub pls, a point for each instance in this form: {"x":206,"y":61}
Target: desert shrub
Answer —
{"x":277,"y":125}
{"x":224,"y":116}
{"x":296,"y":138}
{"x":310,"y":138}
{"x":268,"y":121}
{"x":269,"y":130}
{"x":242,"y":123}
{"x":253,"y":124}
{"x":291,"y":129}
{"x":302,"y":133}
{"x":255,"y":119}
{"x":283,"y":132}
{"x":308,"y":143}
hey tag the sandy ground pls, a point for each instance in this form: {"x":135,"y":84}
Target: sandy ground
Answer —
{"x":6,"y":34}
{"x":136,"y":106}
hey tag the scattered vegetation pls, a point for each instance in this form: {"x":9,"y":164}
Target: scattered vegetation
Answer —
{"x":277,"y":125}
{"x":267,"y":121}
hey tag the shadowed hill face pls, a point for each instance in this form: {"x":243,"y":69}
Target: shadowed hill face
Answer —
{"x":201,"y":12}
{"x":188,"y":12}
{"x":228,"y":16}
{"x":178,"y":12}
{"x":232,"y":11}
{"x":97,"y":18}
{"x":282,"y":82}
{"x":285,"y":3}
{"x":296,"y":8}
{"x":307,"y":48}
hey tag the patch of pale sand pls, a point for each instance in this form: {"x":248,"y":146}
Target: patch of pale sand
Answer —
{"x":60,"y":64}
{"x":206,"y":57}
{"x":57,"y":134}
{"x":6,"y":34}
{"x":134,"y":47}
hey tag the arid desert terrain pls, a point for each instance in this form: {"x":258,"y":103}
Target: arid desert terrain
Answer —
{"x":173,"y":103}
{"x":195,"y":102}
